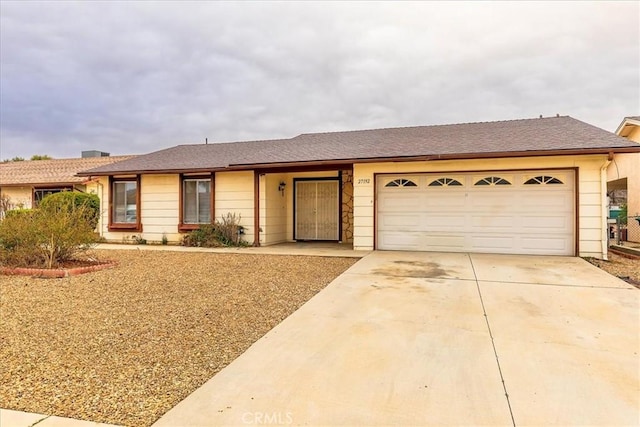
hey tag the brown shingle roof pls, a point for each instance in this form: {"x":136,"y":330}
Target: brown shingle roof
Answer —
{"x":487,"y":139}
{"x":51,"y":172}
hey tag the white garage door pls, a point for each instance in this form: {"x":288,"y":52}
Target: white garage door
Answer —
{"x":520,"y":212}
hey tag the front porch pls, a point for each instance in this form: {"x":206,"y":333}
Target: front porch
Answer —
{"x":304,"y":205}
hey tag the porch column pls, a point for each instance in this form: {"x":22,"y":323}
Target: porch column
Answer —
{"x":256,"y":208}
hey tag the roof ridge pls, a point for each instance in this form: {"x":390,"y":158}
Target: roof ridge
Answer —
{"x":436,"y":125}
{"x":252,"y":141}
{"x":70,"y":158}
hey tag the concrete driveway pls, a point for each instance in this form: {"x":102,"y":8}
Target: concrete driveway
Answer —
{"x":405,"y":338}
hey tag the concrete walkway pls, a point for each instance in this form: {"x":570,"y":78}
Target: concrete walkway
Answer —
{"x":406,"y":338}
{"x":329,"y":249}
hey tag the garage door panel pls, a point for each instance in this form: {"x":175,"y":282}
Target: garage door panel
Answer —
{"x":550,"y":223}
{"x":445,"y":222}
{"x":540,"y":245}
{"x":400,"y":221}
{"x":496,"y":222}
{"x":492,"y":243}
{"x":401,"y":240}
{"x":400,"y":202}
{"x":487,"y":207}
{"x":445,"y":242}
{"x":438,"y":200}
{"x":552,"y":200}
{"x":536,"y":218}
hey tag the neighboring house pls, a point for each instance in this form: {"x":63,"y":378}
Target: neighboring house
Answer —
{"x":535,"y":186}
{"x":26,"y":182}
{"x":623,"y":175}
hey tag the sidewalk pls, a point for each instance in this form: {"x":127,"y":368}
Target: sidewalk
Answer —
{"x":301,"y":249}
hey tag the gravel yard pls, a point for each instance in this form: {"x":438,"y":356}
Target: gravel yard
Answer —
{"x":620,"y":267}
{"x":125,"y":345}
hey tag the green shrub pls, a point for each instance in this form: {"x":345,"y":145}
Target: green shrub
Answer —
{"x":48,"y":236}
{"x":19,"y":212}
{"x":67,"y":199}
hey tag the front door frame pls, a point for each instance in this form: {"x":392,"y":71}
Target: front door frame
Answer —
{"x":329,"y":178}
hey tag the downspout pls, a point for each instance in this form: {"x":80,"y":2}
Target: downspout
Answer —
{"x":604,"y":207}
{"x":101,"y":190}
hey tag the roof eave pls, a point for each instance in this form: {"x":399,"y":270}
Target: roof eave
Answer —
{"x":458,"y":156}
{"x":626,"y":122}
{"x":43,"y":184}
{"x":149,"y":172}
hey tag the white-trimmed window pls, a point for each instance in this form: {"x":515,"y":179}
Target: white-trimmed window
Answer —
{"x":543,"y":180}
{"x":493,"y":180}
{"x":125,"y":202}
{"x":445,"y":182}
{"x":401,"y":182}
{"x":196,"y":201}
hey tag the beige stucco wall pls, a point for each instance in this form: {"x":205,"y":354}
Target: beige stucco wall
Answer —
{"x":19,"y":197}
{"x":159,"y":207}
{"x":158,"y":210}
{"x":273,"y":208}
{"x":234,"y":194}
{"x":591,"y":192}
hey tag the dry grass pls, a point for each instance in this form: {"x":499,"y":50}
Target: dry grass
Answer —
{"x":125,"y":345}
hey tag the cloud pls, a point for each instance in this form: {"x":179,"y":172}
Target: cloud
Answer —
{"x":135,"y":77}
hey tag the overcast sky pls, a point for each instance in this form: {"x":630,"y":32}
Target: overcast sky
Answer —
{"x":136,"y":77}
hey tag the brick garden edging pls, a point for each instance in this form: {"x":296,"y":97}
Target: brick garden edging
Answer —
{"x":56,"y":273}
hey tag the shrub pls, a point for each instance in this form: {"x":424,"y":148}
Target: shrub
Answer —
{"x":19,"y":212}
{"x":225,"y":232}
{"x":47,"y":236}
{"x":206,"y":236}
{"x":19,"y":240}
{"x":69,"y":199}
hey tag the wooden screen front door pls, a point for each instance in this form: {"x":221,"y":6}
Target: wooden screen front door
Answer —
{"x":317,"y":210}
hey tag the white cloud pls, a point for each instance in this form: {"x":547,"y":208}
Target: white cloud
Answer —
{"x":140,"y":76}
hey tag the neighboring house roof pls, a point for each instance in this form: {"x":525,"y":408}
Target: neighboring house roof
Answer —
{"x":51,"y":172}
{"x":628,"y":123}
{"x":544,"y":136}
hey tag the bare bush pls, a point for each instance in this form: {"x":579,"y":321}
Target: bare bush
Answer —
{"x":5,"y":205}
